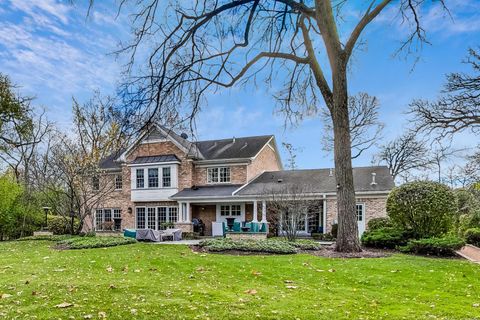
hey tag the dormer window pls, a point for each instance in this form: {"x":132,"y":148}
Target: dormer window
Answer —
{"x":218,"y":175}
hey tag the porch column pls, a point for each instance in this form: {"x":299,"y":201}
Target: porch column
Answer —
{"x":180,"y":209}
{"x":324,"y":215}
{"x":264,"y":211}
{"x":188,"y":214}
{"x":255,"y":211}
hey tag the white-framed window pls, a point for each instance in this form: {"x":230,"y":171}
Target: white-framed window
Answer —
{"x":95,"y":183}
{"x":140,"y":179}
{"x":153,"y":177}
{"x":218,"y":175}
{"x":118,"y":182}
{"x":166,"y":177}
{"x":140,"y":212}
{"x":151,"y":218}
{"x":234,"y":210}
{"x":105,"y":219}
{"x":360,"y":211}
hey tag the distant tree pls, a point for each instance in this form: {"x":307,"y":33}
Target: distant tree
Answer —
{"x":458,"y":109}
{"x":365,"y":125}
{"x":404,"y":154}
{"x":292,"y":155}
{"x":192,"y":48}
{"x":440,"y":154}
{"x":15,"y":120}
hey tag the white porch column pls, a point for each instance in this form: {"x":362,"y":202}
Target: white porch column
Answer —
{"x":255,"y":211}
{"x":180,"y":209}
{"x":264,"y":211}
{"x":188,"y":214}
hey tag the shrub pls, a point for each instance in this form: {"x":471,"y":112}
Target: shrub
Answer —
{"x":472,"y":236}
{"x":434,"y":246}
{"x":377,"y":223}
{"x":334,"y":231}
{"x":425,"y":207}
{"x":385,"y":238}
{"x":305,"y":244}
{"x":94,"y":242}
{"x":61,"y":225}
{"x":250,"y":245}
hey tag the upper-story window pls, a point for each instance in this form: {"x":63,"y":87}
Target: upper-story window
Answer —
{"x":153,"y":178}
{"x":140,"y":179}
{"x":156,"y":177}
{"x":166,"y":177}
{"x":95,"y":183}
{"x":218,"y":175}
{"x":118,"y":182}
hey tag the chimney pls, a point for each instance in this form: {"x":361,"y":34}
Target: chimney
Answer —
{"x":373,"y":183}
{"x":233,"y":139}
{"x":330,"y":174}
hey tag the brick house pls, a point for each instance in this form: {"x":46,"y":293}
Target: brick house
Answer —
{"x":164,"y":178}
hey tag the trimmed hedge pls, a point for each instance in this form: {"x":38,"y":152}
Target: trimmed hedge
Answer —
{"x":385,"y":238}
{"x":472,"y":236}
{"x":94,"y":242}
{"x":377,"y":223}
{"x":434,"y":246}
{"x":250,"y":245}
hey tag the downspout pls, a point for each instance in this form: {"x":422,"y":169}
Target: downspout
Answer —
{"x":324,"y":215}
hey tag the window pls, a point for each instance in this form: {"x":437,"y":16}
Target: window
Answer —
{"x":151,"y":218}
{"x":140,"y":218}
{"x":231,"y":210}
{"x":218,"y":175}
{"x":105,"y":221}
{"x":166,"y":177}
{"x":140,"y":178}
{"x":360,"y":212}
{"x":95,"y":183}
{"x":153,"y":178}
{"x":118,"y":182}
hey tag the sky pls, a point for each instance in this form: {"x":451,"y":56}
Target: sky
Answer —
{"x":53,"y":51}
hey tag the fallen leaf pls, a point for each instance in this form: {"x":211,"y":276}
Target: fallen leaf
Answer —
{"x":288,"y":281}
{"x":320,"y":270}
{"x":87,"y":316}
{"x":137,"y":270}
{"x":5,"y":295}
{"x":331,"y":270}
{"x":256,"y":273}
{"x":291,"y":287}
{"x":112,"y":286}
{"x":476,"y":305}
{"x":251,"y":291}
{"x":64,"y":305}
{"x":109,"y":269}
{"x":133,"y":311}
{"x":102,"y":315}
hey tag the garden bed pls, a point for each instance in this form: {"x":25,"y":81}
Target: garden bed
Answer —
{"x":92,"y":242}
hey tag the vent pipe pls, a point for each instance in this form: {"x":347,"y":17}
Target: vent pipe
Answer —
{"x":374,"y":183}
{"x":330,"y":174}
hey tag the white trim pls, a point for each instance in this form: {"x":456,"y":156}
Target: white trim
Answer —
{"x":147,"y":141}
{"x":248,"y":182}
{"x":265,"y":145}
{"x":222,"y":162}
{"x":153,"y":164}
{"x":220,"y":218}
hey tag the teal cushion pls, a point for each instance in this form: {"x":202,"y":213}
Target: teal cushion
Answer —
{"x":236,"y":226}
{"x":254,"y":227}
{"x":263,"y":228}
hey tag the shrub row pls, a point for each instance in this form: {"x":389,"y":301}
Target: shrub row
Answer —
{"x":250,"y":245}
{"x":385,"y":238}
{"x":472,"y":236}
{"x":434,"y":246}
{"x":94,"y":242}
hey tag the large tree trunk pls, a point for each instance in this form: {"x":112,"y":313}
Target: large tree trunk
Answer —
{"x":347,"y":238}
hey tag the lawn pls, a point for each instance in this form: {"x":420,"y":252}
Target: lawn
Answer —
{"x":141,"y":281}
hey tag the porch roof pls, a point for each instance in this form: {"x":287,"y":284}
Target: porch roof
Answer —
{"x":317,"y":181}
{"x":155,"y":159}
{"x":213,"y":191}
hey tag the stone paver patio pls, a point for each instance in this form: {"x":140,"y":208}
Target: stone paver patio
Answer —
{"x":470,"y":252}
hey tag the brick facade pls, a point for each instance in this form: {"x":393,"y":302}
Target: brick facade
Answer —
{"x":266,"y":160}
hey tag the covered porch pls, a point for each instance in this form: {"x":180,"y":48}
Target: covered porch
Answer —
{"x":230,"y":218}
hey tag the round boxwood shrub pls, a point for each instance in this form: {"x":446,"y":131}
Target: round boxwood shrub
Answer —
{"x":472,"y":236}
{"x":385,"y":238}
{"x":61,"y":225}
{"x":377,"y":223}
{"x":425,"y":207}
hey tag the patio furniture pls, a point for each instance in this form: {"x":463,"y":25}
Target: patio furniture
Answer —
{"x":148,"y":235}
{"x":130,"y":233}
{"x":230,"y":223}
{"x":173,"y":234}
{"x":245,"y":229}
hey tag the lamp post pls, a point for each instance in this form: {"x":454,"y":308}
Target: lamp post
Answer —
{"x":46,"y":209}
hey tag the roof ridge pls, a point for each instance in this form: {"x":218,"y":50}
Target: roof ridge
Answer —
{"x":225,"y":139}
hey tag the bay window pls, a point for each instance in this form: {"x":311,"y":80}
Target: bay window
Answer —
{"x":153,"y":178}
{"x":157,"y":177}
{"x":140,"y":179}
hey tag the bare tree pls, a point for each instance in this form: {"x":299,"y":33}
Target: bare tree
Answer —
{"x":459,"y":107}
{"x":404,"y":154}
{"x":365,"y":125}
{"x":292,"y":155}
{"x":195,"y":48}
{"x":291,"y":208}
{"x":440,"y":154}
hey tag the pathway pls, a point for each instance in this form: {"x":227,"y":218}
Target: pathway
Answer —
{"x":470,"y":252}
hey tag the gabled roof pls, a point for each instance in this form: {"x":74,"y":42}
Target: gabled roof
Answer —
{"x":156,"y":159}
{"x":234,"y":148}
{"x":110,"y":163}
{"x":316,"y":181}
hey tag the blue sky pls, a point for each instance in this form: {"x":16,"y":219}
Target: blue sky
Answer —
{"x":55,"y":52}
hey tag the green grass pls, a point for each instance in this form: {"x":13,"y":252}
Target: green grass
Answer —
{"x":142,"y":280}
